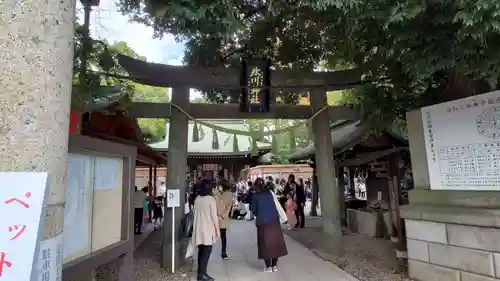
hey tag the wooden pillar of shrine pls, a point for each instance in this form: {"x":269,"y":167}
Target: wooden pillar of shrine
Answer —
{"x":352,"y":190}
{"x":395,"y":173}
{"x":342,"y":209}
{"x":176,"y":175}
{"x":326,"y":172}
{"x":315,"y":191}
{"x":155,"y":181}
{"x":150,"y":181}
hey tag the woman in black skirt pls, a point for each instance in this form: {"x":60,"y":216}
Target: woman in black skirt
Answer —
{"x":270,"y":241}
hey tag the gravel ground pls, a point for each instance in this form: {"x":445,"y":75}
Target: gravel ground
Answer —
{"x":147,"y":264}
{"x":366,"y":258}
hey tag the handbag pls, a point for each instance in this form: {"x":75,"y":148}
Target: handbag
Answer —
{"x":281,"y":212}
{"x":188,"y":224}
{"x":190,"y":249}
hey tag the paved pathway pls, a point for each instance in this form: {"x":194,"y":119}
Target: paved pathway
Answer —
{"x":243,"y":265}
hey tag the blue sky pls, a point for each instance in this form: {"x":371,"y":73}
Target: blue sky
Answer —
{"x":107,"y":23}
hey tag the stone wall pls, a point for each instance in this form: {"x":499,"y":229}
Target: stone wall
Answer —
{"x":452,"y":252}
{"x":451,"y":235}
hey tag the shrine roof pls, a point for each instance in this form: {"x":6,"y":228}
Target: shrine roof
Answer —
{"x":341,"y":136}
{"x":206,"y":134}
{"x":364,"y":158}
{"x":344,"y":137}
{"x":122,"y":129}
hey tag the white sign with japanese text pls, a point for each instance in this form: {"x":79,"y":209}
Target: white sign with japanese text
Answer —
{"x":462,"y":139}
{"x":50,"y":259}
{"x":78,"y":208}
{"x":23,"y":195}
{"x":106,"y":173}
{"x":173,"y":198}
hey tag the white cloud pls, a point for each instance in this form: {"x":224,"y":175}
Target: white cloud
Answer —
{"x":175,"y":62}
{"x":106,"y":22}
{"x":194,"y":94}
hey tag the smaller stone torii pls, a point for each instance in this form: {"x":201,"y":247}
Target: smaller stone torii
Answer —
{"x":181,"y":79}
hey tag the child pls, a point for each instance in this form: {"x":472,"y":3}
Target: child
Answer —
{"x":240,"y":211}
{"x":290,"y":208}
{"x":158,"y":213}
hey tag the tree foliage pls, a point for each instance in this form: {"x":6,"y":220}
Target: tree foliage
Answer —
{"x":153,"y":129}
{"x":416,"y":47}
{"x":100,"y":59}
{"x":102,"y":68}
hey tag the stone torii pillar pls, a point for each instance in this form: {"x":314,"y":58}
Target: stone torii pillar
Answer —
{"x":36,"y":66}
{"x":176,"y":175}
{"x":326,"y":173}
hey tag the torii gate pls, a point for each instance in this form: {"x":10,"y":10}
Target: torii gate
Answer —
{"x":36,"y":59}
{"x":182,"y":78}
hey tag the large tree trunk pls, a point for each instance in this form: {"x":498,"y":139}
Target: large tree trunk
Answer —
{"x":460,"y":86}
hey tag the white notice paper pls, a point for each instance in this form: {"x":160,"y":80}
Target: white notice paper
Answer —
{"x":50,"y":259}
{"x":106,"y":173}
{"x":173,"y":198}
{"x":77,"y":212}
{"x":462,"y":139}
{"x":23,"y":194}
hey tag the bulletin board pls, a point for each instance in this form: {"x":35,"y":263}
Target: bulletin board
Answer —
{"x":107,"y":205}
{"x":93,"y":210}
{"x":78,"y":208}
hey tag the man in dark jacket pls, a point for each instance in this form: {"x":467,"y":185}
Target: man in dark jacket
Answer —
{"x":249,"y":198}
{"x":270,"y":184}
{"x":300,"y":200}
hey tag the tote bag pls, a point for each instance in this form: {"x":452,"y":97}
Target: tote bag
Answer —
{"x":281,"y":212}
{"x":190,"y":249}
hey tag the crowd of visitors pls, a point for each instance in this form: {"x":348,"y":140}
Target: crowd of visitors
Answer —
{"x":214,"y":202}
{"x":147,"y":209}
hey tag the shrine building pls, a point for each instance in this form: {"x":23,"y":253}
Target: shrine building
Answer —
{"x":213,"y":152}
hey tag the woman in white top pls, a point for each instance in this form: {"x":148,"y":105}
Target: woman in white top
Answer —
{"x":205,"y":226}
{"x":139,"y":197}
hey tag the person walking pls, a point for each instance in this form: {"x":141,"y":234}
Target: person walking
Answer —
{"x":290,"y":208}
{"x":224,"y":205}
{"x":249,"y":198}
{"x":300,"y":200}
{"x":206,"y":228}
{"x":289,"y":188}
{"x":139,"y":198}
{"x":270,"y":241}
{"x":194,"y":193}
{"x":146,"y":206}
